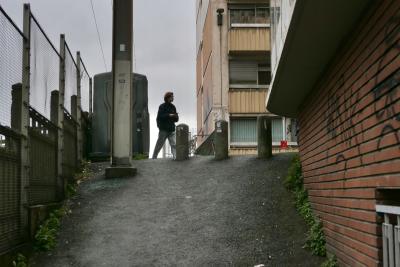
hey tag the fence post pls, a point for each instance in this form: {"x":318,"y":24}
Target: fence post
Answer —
{"x":264,"y":137}
{"x":221,"y":140}
{"x":182,"y":142}
{"x":90,"y":97}
{"x":79,"y":106}
{"x":57,"y":117}
{"x":23,"y":126}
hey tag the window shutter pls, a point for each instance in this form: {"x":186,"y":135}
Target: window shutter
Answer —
{"x":243,"y":72}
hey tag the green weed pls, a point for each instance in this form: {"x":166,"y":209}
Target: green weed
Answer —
{"x":20,"y":261}
{"x":294,"y":183}
{"x":330,"y":262}
{"x":46,"y":236}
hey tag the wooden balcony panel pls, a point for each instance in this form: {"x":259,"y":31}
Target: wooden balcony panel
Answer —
{"x":247,"y":101}
{"x":249,"y":39}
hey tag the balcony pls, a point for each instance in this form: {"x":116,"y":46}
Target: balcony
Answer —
{"x":249,"y":39}
{"x":247,"y":101}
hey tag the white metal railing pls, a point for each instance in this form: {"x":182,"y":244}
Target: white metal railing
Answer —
{"x":390,"y":236}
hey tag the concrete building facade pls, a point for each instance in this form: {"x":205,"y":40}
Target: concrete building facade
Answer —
{"x":340,"y":62}
{"x":234,"y":71}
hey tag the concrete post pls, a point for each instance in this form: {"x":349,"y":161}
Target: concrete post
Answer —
{"x":57,"y":117}
{"x":182,"y":142}
{"x":24,"y":122}
{"x":79,"y":135}
{"x":16,"y":104}
{"x":121,"y":135}
{"x":90,"y":97}
{"x":54,"y":117}
{"x":264,"y":137}
{"x":74,"y":107}
{"x":221,"y":145}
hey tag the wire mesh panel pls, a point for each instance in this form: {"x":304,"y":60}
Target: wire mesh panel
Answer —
{"x":70,"y":79}
{"x":43,"y":160}
{"x":70,"y":154}
{"x":44,"y":70}
{"x":85,"y":83}
{"x":10,"y":189}
{"x":11,"y":42}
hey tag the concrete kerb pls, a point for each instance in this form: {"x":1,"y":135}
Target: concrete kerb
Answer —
{"x":120,"y":172}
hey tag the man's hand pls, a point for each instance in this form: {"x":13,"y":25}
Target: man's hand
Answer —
{"x":172,"y":115}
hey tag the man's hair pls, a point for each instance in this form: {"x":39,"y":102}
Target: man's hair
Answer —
{"x":167,"y":95}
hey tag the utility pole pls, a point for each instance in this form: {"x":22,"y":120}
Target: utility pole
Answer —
{"x":121,"y":132}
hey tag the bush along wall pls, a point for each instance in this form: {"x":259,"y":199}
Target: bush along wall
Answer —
{"x":315,"y":241}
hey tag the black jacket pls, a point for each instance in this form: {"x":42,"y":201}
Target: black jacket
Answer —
{"x":164,"y":121}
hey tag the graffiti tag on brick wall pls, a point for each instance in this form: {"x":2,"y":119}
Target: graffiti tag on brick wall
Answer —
{"x":340,"y":117}
{"x":386,"y":89}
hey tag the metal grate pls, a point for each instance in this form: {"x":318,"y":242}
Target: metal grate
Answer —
{"x":70,"y":79}
{"x":11,"y":42}
{"x":43,"y":160}
{"x":85,"y":83}
{"x":10,"y":189}
{"x":44,"y":69}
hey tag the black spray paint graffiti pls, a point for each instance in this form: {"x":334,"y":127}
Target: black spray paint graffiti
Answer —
{"x":386,"y":89}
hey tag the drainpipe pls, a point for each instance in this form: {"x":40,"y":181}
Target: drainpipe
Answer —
{"x":220,"y":11}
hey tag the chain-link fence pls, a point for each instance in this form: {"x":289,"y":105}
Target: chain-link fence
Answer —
{"x":11,"y":45}
{"x":11,"y":41}
{"x":85,"y":88}
{"x":44,"y":66}
{"x":31,"y":135}
{"x":71,"y":84}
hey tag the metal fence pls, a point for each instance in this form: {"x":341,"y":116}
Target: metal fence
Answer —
{"x":85,"y":88}
{"x":38,"y":130}
{"x":44,"y":66}
{"x":11,"y":40}
{"x":11,"y":43}
{"x":70,"y":79}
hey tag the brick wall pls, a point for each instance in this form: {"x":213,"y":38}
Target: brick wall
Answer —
{"x":350,"y":136}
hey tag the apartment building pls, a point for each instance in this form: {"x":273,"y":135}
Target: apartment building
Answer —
{"x":234,"y":72}
{"x":340,"y":63}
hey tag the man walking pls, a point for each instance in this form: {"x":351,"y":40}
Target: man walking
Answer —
{"x":166,"y":118}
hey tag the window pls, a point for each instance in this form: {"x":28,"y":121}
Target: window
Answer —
{"x":264,"y":74}
{"x":243,"y":131}
{"x":249,"y":16}
{"x":249,"y":73}
{"x":277,"y":130}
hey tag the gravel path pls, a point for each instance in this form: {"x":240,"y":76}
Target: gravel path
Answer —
{"x":195,"y":213}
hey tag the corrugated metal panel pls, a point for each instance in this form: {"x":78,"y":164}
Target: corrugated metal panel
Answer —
{"x":249,"y":39}
{"x":277,"y":132}
{"x":243,"y":131}
{"x":247,"y":100}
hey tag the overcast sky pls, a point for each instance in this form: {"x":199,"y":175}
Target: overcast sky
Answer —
{"x":164,"y":32}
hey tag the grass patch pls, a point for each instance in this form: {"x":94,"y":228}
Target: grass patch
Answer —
{"x":140,"y":157}
{"x":294,"y":183}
